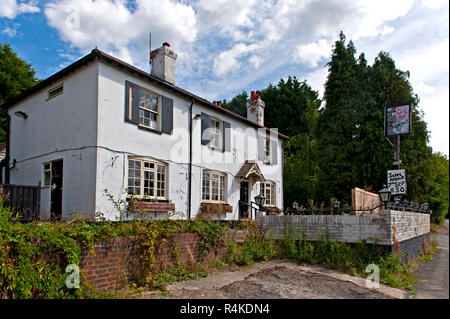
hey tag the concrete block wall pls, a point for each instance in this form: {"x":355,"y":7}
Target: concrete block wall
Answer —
{"x":403,"y":232}
{"x":385,"y":229}
{"x":406,"y":225}
{"x":352,"y":229}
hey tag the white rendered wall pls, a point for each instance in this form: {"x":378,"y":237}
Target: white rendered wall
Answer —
{"x":63,"y":127}
{"x":118,"y":139}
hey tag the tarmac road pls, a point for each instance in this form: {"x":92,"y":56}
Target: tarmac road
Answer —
{"x":433,"y":275}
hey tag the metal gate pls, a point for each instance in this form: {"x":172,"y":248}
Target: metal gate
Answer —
{"x":25,"y":200}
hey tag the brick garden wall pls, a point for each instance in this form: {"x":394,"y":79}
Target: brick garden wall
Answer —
{"x":117,"y":260}
{"x":411,"y":249}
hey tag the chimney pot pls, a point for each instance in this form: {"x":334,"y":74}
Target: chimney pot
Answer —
{"x":163,"y":63}
{"x":255,"y":108}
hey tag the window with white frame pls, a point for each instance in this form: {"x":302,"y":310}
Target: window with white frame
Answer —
{"x":149,"y":106}
{"x":216,"y":133}
{"x":47,"y":174}
{"x":267,"y":189}
{"x":213,"y":186}
{"x":147,"y":178}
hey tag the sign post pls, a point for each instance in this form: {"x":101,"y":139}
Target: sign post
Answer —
{"x":397,"y":121}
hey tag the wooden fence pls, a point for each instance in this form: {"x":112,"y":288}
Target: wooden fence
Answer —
{"x":23,"y":199}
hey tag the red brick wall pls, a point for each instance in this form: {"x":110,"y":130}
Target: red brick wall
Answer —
{"x":116,"y":260}
{"x":113,"y":263}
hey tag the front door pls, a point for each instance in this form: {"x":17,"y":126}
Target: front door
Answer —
{"x":243,"y":203}
{"x":56,"y":190}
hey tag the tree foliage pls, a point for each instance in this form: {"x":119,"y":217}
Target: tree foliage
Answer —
{"x":16,"y":76}
{"x":342,"y":145}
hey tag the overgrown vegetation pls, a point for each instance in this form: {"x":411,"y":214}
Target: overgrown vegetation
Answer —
{"x":33,"y":256}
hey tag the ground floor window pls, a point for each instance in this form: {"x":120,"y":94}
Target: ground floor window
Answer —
{"x":267,"y":189}
{"x":147,"y":178}
{"x":213,"y":186}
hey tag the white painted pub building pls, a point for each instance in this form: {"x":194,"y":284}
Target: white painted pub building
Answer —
{"x":101,"y":126}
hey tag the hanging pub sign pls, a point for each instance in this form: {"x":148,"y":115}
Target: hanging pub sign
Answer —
{"x":397,"y":120}
{"x":396,"y":180}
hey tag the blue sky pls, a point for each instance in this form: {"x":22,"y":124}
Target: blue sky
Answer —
{"x":227,"y":46}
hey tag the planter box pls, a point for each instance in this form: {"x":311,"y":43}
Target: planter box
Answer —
{"x":214,"y":208}
{"x":151,"y":206}
{"x":271,"y":210}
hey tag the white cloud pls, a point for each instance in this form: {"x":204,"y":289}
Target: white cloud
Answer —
{"x":310,"y":54}
{"x":10,"y":31}
{"x":228,"y":60}
{"x":113,"y":27}
{"x":434,"y":3}
{"x":11,"y":8}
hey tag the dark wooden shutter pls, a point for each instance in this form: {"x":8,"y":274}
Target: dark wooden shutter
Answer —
{"x":167,"y":115}
{"x":261,"y":145}
{"x":135,"y":103}
{"x":274,"y":151}
{"x":206,"y":123}
{"x":226,"y":137}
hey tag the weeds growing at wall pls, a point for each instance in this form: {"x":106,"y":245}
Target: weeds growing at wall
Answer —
{"x":34,"y":256}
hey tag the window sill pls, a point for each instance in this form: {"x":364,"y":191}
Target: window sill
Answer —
{"x":214,"y":207}
{"x":141,"y":127}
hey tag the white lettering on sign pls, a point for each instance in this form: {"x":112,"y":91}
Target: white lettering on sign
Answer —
{"x":397,"y":181}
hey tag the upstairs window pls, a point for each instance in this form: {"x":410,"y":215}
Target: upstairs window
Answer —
{"x":267,"y":189}
{"x":213,"y":186}
{"x":147,"y":178}
{"x":267,"y":152}
{"x":55,"y":91}
{"x":267,"y":147}
{"x":149,"y":110}
{"x":215,"y":133}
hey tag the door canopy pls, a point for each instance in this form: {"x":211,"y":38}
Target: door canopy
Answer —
{"x":250,"y":170}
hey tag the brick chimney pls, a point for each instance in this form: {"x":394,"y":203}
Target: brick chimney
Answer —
{"x":255,"y":108}
{"x":163,"y":63}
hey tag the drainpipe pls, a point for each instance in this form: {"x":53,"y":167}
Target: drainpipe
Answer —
{"x":190,"y":161}
{"x":8,"y":133}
